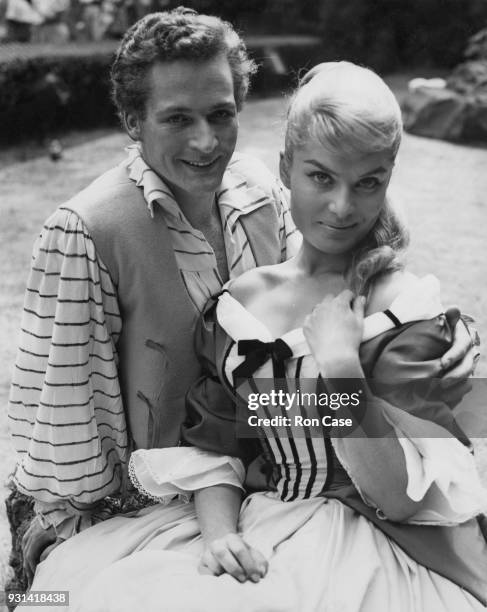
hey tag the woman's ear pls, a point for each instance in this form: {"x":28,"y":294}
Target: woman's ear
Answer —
{"x":131,"y":124}
{"x":284,"y":170}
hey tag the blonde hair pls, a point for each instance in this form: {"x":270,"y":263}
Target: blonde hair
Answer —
{"x":349,"y":109}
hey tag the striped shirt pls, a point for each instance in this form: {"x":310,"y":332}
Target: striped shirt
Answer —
{"x":65,"y":409}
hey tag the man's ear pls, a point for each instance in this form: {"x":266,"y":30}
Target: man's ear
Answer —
{"x":132,"y":125}
{"x":284,"y":170}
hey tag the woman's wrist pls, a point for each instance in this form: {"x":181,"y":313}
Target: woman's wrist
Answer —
{"x":217,"y":531}
{"x":342,"y":365}
{"x":217,"y":509}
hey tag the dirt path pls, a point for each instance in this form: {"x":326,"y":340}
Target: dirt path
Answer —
{"x":443,"y":188}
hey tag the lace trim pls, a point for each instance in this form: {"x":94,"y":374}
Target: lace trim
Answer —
{"x":164,"y":499}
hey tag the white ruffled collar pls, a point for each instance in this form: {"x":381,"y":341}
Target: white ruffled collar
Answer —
{"x":236,"y":194}
{"x":419,"y":301}
{"x":234,"y":191}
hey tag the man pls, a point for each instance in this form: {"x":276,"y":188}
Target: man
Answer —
{"x":122,"y":270}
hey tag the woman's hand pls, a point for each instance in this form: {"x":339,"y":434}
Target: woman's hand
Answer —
{"x":334,"y":331}
{"x":230,"y":554}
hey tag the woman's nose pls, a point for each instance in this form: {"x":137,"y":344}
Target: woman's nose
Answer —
{"x":203,"y":138}
{"x":341,"y":203}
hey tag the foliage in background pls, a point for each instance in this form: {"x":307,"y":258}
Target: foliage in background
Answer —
{"x":262,"y":16}
{"x":477,"y":46}
{"x":388,"y":34}
{"x":46,"y":89}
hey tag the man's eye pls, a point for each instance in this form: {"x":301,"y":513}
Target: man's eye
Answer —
{"x":177,"y":119}
{"x":369,"y":183}
{"x":322,"y":178}
{"x":223,"y":114}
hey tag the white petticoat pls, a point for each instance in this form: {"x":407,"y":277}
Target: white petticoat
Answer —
{"x":323,"y":556}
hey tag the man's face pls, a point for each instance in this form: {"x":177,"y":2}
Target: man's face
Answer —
{"x":190,"y":129}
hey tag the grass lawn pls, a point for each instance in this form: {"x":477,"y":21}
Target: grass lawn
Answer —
{"x":442,"y":187}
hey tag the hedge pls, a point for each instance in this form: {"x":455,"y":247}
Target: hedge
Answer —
{"x":392,"y":34}
{"x":46,"y":90}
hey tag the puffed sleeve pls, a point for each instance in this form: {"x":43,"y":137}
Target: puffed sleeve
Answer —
{"x":441,"y":471}
{"x":65,"y":408}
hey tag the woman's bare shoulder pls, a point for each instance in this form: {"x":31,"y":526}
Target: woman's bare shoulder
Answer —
{"x":253,"y":282}
{"x":386,"y":288}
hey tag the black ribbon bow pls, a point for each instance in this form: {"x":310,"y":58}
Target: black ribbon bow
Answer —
{"x":257,"y":353}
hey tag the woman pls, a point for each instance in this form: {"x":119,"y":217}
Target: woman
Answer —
{"x":379,"y":520}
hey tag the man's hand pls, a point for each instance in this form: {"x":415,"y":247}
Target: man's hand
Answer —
{"x":37,"y":543}
{"x":232,"y":555}
{"x":459,"y":361}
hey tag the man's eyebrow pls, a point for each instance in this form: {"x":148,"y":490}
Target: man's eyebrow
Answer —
{"x":163,"y":110}
{"x":172,"y":109}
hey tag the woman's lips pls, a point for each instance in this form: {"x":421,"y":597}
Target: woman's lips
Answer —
{"x":338,"y":228}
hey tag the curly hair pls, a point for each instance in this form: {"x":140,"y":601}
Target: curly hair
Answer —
{"x":349,"y":109}
{"x":180,"y":34}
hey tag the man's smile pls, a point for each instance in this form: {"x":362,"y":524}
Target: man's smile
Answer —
{"x":200,"y":164}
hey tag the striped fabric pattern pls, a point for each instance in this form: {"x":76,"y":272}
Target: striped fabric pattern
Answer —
{"x":302,"y":459}
{"x":65,"y":410}
{"x":194,"y":255}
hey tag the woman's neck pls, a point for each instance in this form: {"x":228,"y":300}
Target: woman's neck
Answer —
{"x":312,"y":262}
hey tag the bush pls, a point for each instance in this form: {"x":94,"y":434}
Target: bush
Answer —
{"x":47,"y":89}
{"x":392,"y":34}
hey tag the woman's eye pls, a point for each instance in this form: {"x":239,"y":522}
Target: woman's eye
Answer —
{"x":369,"y":183}
{"x":322,"y":178}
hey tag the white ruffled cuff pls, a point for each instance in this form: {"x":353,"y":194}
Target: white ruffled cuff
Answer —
{"x":441,"y":473}
{"x":165,"y":473}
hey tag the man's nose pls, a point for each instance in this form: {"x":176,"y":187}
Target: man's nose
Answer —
{"x":342,"y":202}
{"x":203,"y":137}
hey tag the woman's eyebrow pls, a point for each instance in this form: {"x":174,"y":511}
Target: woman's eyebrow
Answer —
{"x":379,"y":170}
{"x":320,"y":166}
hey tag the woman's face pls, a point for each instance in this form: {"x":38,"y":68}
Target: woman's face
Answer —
{"x":335,"y":200}
{"x":190,"y":129}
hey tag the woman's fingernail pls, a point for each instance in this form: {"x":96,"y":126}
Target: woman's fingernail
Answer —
{"x":255,"y":577}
